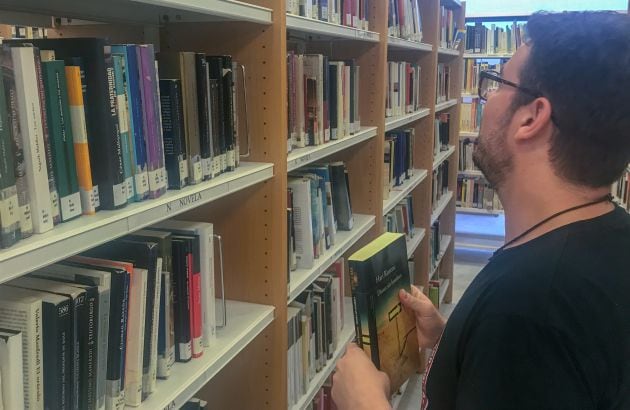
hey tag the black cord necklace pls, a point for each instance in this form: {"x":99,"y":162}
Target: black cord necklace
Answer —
{"x":608,"y":198}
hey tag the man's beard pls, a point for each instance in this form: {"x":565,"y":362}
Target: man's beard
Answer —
{"x":492,"y":156}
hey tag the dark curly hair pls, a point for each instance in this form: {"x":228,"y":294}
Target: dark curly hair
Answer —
{"x":580,"y":61}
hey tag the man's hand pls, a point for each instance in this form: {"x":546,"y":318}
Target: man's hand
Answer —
{"x":429,"y":322}
{"x":357,"y":384}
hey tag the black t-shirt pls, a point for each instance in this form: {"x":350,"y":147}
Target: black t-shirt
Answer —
{"x":545,"y":325}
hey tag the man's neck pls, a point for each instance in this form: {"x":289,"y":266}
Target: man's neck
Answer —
{"x":527,"y":204}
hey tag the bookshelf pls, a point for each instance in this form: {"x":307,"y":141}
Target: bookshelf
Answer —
{"x":248,"y":206}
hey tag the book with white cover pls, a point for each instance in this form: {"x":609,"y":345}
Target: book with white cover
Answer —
{"x":205,"y":231}
{"x":11,"y":388}
{"x":33,"y":139}
{"x":25,"y":314}
{"x":303,"y":221}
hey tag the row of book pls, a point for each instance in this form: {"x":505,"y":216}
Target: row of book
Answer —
{"x":466,"y":149}
{"x":481,"y":39}
{"x":323,"y":99}
{"x":403,"y":88}
{"x":442,"y":134}
{"x":472,"y":69}
{"x":97,"y":330}
{"x":470,"y":114}
{"x":398,"y":159}
{"x":435,"y":244}
{"x":318,"y":207}
{"x":400,"y":219}
{"x":477,"y":193}
{"x":443,"y":83}
{"x":620,"y":189}
{"x":89,"y":126}
{"x":450,"y":36}
{"x":29,"y":32}
{"x":315,"y":320}
{"x":404,"y":20}
{"x":351,"y":13}
{"x":439,"y":187}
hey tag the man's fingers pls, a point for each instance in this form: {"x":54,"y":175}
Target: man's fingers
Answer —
{"x":411,"y":302}
{"x":416,"y":292}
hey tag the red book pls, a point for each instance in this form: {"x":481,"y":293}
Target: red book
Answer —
{"x":194,"y":294}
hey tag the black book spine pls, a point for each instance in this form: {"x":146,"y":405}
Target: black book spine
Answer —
{"x":215,"y":65}
{"x":117,"y":331}
{"x":92,"y":346}
{"x":329,"y":329}
{"x":173,"y":130}
{"x":216,"y":125}
{"x":183,"y":334}
{"x":57,"y":328}
{"x":203,"y":109}
{"x":149,"y":317}
{"x":80,"y":362}
{"x":332,"y":74}
{"x":230,"y":131}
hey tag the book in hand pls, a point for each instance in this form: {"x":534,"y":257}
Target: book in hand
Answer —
{"x":11,"y":389}
{"x":384,"y":330}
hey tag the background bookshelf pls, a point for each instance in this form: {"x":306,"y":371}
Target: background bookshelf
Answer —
{"x":248,"y":206}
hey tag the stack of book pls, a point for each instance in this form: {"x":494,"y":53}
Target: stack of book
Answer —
{"x":494,"y":40}
{"x":443,"y":83}
{"x":476,"y":193}
{"x":400,"y":219}
{"x":403,"y":88}
{"x":97,"y":330}
{"x":440,"y":184}
{"x":434,"y":246}
{"x":404,"y":20}
{"x":351,"y":13}
{"x":620,"y":189}
{"x":398,"y":159}
{"x":471,"y":114}
{"x":442,"y":133}
{"x":88,"y":126}
{"x":323,"y":99}
{"x":450,"y":36}
{"x":472,"y":68}
{"x":318,"y":206}
{"x":315,"y":319}
{"x":466,"y":148}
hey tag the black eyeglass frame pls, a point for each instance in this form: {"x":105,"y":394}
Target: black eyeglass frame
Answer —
{"x":493,"y":75}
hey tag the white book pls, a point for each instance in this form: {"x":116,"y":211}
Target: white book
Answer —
{"x":33,"y":137}
{"x":101,"y":279}
{"x":303,"y":221}
{"x":11,"y":388}
{"x":205,"y":232}
{"x":25,"y":315}
{"x":135,"y":337}
{"x":150,"y":385}
{"x":337,"y":298}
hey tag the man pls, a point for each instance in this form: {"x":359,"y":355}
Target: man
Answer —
{"x":546,"y":324}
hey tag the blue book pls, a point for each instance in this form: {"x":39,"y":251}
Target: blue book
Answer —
{"x":128,"y":158}
{"x":132,"y":90}
{"x":329,"y":217}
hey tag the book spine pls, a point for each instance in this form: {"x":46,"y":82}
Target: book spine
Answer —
{"x":135,"y":337}
{"x":216,"y":127}
{"x":88,"y":195}
{"x":207,"y":285}
{"x":91,"y":349}
{"x":154,"y":328}
{"x":150,"y":301}
{"x":119,"y":296}
{"x":203,"y":114}
{"x":160,"y":135}
{"x":183,"y":346}
{"x":52,"y":178}
{"x":123,"y":126}
{"x":134,"y":96}
{"x":166,"y":347}
{"x":55,"y":335}
{"x":9,"y":204}
{"x":195,"y":307}
{"x":173,"y":128}
{"x":229,"y":128}
{"x":34,"y":149}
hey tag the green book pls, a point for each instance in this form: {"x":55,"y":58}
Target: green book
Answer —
{"x":9,"y":207}
{"x":123,"y":125}
{"x":385,"y":331}
{"x":61,"y":138}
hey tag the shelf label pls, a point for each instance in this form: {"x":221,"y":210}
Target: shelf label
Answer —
{"x":184,"y":202}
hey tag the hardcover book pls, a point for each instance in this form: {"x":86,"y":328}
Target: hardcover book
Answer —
{"x":11,"y":389}
{"x":384,"y":330}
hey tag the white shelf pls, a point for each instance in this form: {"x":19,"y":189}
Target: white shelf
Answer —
{"x":445,"y":241}
{"x":414,"y":241}
{"x":471,"y":173}
{"x":479,"y":211}
{"x":398,"y":193}
{"x":486,"y":56}
{"x":444,"y":284}
{"x":446,"y":104}
{"x":149,"y":12}
{"x":442,"y":156}
{"x":244,"y":322}
{"x":468,"y":134}
{"x":441,"y":205}
{"x":448,"y":51}
{"x":329,"y":30}
{"x":346,"y":336}
{"x":402,"y":44}
{"x":302,"y":278}
{"x":410,"y":394}
{"x":300,"y":157}
{"x":86,"y":232}
{"x":446,"y":309}
{"x":392,"y":123}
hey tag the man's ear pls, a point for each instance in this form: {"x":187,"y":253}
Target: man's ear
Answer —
{"x":533,"y":119}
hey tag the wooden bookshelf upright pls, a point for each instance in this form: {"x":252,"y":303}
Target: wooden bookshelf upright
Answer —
{"x":248,"y":369}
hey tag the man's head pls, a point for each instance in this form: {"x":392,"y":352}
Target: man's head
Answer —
{"x":579,"y":127}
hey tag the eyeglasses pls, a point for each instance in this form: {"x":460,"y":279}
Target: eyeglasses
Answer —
{"x":490,"y":81}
